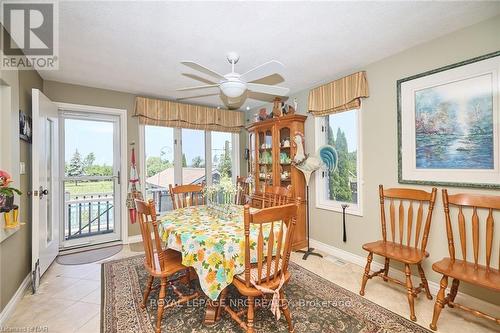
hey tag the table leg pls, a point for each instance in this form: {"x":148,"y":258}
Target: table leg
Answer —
{"x":213,"y":309}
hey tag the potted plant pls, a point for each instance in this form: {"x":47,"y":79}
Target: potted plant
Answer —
{"x":7,"y":192}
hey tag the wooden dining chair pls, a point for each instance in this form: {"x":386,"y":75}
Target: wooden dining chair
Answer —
{"x":270,"y":273}
{"x":409,"y":250}
{"x":276,"y":196}
{"x":186,"y":195}
{"x":243,"y":190}
{"x":159,"y":263}
{"x":476,"y":272}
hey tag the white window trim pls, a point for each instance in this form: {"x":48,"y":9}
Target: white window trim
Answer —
{"x":235,"y":137}
{"x":320,"y":190}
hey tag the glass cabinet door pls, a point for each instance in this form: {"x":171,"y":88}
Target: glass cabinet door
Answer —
{"x":285,"y":157}
{"x":265,"y":165}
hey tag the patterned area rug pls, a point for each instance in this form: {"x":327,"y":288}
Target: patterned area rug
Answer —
{"x":317,"y":305}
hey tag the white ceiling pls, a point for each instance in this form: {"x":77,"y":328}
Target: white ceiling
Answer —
{"x":136,"y":46}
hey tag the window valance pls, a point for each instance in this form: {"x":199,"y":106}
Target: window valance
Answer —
{"x":172,"y":114}
{"x":340,"y":95}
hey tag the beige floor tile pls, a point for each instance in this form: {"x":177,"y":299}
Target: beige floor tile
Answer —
{"x":74,"y":317}
{"x":78,"y":290}
{"x":93,"y":297}
{"x":92,"y":326}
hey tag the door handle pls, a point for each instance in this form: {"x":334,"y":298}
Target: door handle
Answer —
{"x":118,"y":176}
{"x":42,"y":192}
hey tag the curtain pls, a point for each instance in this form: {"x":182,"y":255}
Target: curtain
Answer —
{"x":172,"y":114}
{"x":340,"y":95}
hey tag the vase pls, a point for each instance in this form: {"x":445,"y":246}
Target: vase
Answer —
{"x":6,"y":203}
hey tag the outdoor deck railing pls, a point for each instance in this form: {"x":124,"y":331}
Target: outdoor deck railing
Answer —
{"x":88,"y":215}
{"x":161,"y":197}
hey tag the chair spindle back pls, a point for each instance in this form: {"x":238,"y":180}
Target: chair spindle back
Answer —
{"x":471,"y":204}
{"x":243,"y":190}
{"x":420,"y":199}
{"x":272,"y":259}
{"x":276,"y":196}
{"x":147,"y":221}
{"x":186,"y":195}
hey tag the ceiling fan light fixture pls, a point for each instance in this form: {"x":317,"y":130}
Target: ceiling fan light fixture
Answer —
{"x":233,"y":89}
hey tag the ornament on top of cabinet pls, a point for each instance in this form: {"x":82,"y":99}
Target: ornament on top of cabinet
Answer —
{"x":277,"y":109}
{"x":263,"y":114}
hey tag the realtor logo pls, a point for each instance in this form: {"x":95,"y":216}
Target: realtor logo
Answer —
{"x":30,"y":35}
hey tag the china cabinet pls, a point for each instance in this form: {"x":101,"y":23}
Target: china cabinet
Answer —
{"x":271,"y":153}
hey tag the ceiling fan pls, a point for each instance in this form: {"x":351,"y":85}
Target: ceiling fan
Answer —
{"x":234,"y":85}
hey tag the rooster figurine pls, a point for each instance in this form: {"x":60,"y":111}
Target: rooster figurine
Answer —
{"x":326,"y":158}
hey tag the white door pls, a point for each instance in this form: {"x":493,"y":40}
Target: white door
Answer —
{"x":45,"y":173}
{"x":91,"y":156}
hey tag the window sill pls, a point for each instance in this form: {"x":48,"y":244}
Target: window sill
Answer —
{"x":338,"y":209}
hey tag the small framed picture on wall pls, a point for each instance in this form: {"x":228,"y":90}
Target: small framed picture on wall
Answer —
{"x":25,"y":129}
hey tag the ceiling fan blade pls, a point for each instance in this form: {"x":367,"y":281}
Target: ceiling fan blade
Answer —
{"x":267,"y":89}
{"x":203,"y":69}
{"x":198,"y":87}
{"x":198,"y":78}
{"x":197,"y":96}
{"x":263,"y":70}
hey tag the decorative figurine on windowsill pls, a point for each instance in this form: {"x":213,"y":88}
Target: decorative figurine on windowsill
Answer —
{"x":7,"y":200}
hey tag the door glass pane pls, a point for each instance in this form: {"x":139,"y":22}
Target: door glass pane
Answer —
{"x":265,"y":159}
{"x":221,"y":156}
{"x":88,"y":148}
{"x":49,"y":126}
{"x":193,"y":156}
{"x":159,"y":146}
{"x":89,"y":186}
{"x":285,"y":157}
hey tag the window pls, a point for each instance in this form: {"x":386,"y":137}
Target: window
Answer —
{"x":221,"y":156}
{"x":184,"y":156}
{"x":341,"y":186}
{"x":159,"y":164}
{"x":193,"y":156}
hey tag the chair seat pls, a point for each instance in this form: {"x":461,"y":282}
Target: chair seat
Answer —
{"x":391,"y":250}
{"x":465,"y":271}
{"x":173,"y":264}
{"x":240,"y":284}
{"x":254,"y":272}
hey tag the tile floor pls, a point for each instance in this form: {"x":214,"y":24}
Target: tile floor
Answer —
{"x":69,"y":299}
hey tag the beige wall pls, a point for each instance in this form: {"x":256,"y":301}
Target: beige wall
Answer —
{"x":380,"y":144}
{"x":15,"y":252}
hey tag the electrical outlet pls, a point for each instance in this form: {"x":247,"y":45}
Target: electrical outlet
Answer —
{"x":22,"y":168}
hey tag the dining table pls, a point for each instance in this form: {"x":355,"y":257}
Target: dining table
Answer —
{"x":212,"y":242}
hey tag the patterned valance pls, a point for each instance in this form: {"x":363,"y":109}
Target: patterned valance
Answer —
{"x":172,"y":114}
{"x":340,"y":95}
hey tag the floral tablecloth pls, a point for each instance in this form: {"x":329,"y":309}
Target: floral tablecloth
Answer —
{"x":214,"y":247}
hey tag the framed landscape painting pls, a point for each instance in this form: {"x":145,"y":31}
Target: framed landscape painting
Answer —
{"x":448,"y":125}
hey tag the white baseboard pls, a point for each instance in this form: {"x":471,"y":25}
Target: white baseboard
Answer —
{"x":9,"y":308}
{"x":361,"y":261}
{"x":134,"y":239}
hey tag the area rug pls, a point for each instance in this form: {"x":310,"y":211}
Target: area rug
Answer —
{"x":88,"y":256}
{"x":317,"y":305}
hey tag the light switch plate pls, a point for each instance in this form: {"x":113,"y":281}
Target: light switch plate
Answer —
{"x":22,"y":168}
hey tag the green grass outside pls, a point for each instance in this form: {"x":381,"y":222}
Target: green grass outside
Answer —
{"x":88,"y":187}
